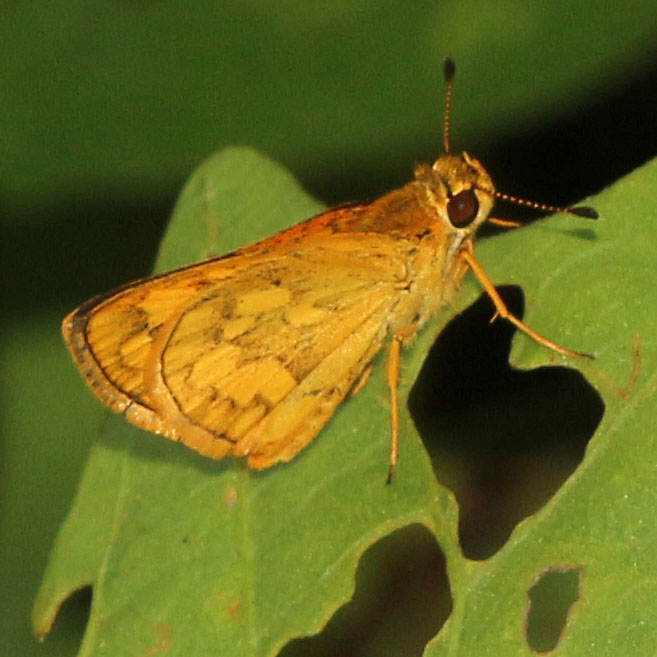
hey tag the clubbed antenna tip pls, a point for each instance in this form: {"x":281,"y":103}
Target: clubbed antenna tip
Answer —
{"x":449,"y":68}
{"x":584,"y":211}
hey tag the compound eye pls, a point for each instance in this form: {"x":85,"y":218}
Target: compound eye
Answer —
{"x":462,"y":208}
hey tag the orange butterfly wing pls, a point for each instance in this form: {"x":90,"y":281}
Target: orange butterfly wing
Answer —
{"x":248,"y":354}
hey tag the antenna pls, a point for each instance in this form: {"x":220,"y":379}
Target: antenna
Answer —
{"x":580,"y":211}
{"x":449,"y":69}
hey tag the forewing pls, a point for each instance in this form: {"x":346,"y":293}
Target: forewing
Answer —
{"x":254,"y":354}
{"x":110,"y":335}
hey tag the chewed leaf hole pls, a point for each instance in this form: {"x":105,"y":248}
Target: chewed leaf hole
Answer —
{"x":550,"y":601}
{"x":503,"y":440}
{"x":70,"y":624}
{"x":401,"y":601}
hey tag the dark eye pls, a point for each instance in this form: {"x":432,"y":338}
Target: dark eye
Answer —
{"x":462,"y":208}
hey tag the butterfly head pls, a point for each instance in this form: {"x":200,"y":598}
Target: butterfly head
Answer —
{"x":460,"y":190}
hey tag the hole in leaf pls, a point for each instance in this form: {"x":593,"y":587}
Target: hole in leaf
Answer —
{"x":402,"y":599}
{"x":550,"y":600}
{"x":66,"y":634}
{"x":502,"y":440}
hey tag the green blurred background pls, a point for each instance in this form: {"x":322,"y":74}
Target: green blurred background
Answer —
{"x":109,"y":105}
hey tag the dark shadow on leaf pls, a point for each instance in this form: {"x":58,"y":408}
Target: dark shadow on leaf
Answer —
{"x":402,"y":599}
{"x":550,"y":601}
{"x":581,"y":234}
{"x":503,"y":440}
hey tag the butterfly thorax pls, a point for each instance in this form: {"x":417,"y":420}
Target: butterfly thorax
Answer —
{"x":450,"y":200}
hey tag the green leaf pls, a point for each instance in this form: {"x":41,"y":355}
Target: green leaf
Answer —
{"x":206,"y":557}
{"x":594,"y":290}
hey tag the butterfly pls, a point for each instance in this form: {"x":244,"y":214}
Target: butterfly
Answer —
{"x":251,"y":353}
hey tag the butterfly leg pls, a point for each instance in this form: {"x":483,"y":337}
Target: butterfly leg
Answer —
{"x":502,"y":311}
{"x":360,"y":384}
{"x":392,"y":376}
{"x":505,"y":223}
